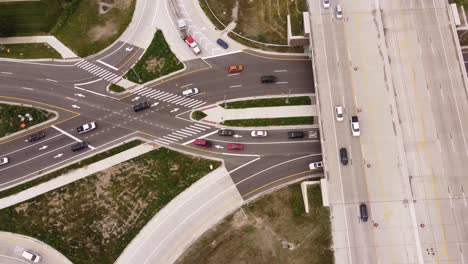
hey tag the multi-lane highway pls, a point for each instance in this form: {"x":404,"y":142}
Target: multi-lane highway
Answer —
{"x":395,"y":65}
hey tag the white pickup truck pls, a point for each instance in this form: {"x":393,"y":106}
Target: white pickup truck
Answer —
{"x":86,"y":128}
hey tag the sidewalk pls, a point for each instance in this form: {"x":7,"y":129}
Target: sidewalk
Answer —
{"x":217,"y":114}
{"x":183,"y":220}
{"x":51,"y":40}
{"x":74,"y":176}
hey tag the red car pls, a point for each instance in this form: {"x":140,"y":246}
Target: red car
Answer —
{"x":236,"y":68}
{"x":235,"y":146}
{"x":202,"y":142}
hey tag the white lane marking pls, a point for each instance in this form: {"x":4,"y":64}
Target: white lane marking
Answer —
{"x":271,"y":142}
{"x":235,"y":86}
{"x":66,"y":133}
{"x":196,"y":128}
{"x":336,"y":142}
{"x":108,"y":65}
{"x":160,"y":142}
{"x":50,"y":80}
{"x":281,"y":71}
{"x":186,"y":85}
{"x":203,"y":136}
{"x":93,"y":92}
{"x":73,"y":99}
{"x":233,"y":74}
{"x":196,"y":124}
{"x":27,"y":88}
{"x":240,"y":155}
{"x":43,"y":169}
{"x":90,"y":82}
{"x":187,"y":131}
{"x":174,"y":135}
{"x":75,"y":106}
{"x":224,"y":54}
{"x":281,"y":82}
{"x":40,"y":142}
{"x":6,"y":72}
{"x":167,"y":137}
{"x":180,"y":134}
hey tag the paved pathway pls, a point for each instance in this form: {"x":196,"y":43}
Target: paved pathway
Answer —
{"x":183,"y":220}
{"x":217,"y":114}
{"x":74,"y":175}
{"x":51,"y":40}
{"x":12,"y":245}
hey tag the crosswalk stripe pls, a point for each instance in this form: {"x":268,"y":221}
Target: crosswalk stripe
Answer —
{"x":194,"y":103}
{"x":199,"y":125}
{"x":171,"y":138}
{"x":197,"y":128}
{"x":165,"y":96}
{"x":101,"y":72}
{"x":155,"y":94}
{"x":88,"y":66}
{"x":185,"y":133}
{"x":92,"y":68}
{"x":160,"y":95}
{"x":95,"y":70}
{"x":174,"y":99}
{"x":172,"y":135}
{"x":169,"y":98}
{"x":107,"y":75}
{"x":146,"y":92}
{"x":142,"y":88}
{"x":188,"y":102}
{"x":192,"y":129}
{"x":199,"y":104}
{"x":179,"y":100}
{"x":183,"y":101}
{"x":160,"y":142}
{"x":188,"y":131}
{"x":111,"y":78}
{"x":81,"y":62}
{"x":179,"y":134}
{"x":166,"y":140}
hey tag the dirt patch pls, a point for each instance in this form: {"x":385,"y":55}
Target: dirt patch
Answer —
{"x":102,"y":32}
{"x":154,"y":64}
{"x":276,"y":230}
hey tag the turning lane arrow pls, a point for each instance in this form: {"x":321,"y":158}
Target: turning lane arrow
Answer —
{"x":75,"y":106}
{"x":43,"y":147}
{"x":58,"y":155}
{"x":174,"y":110}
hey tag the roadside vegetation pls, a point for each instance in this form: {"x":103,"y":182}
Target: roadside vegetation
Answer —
{"x":29,"y":17}
{"x":268,"y":102}
{"x":463,"y":3}
{"x":28,"y":51}
{"x":74,"y":166}
{"x":264,"y":21}
{"x":95,"y":31}
{"x":157,"y":61}
{"x":198,"y":115}
{"x":92,"y":220}
{"x":282,"y":121}
{"x":11,"y":123}
{"x":271,"y":229}
{"x":116,"y":88}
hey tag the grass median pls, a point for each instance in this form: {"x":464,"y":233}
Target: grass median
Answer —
{"x":29,"y":51}
{"x":198,"y":115}
{"x":74,"y":166}
{"x":272,"y":229}
{"x":93,"y":219}
{"x":11,"y":123}
{"x":268,"y":102}
{"x":157,"y":61}
{"x":221,"y":9}
{"x":282,"y":121}
{"x":116,"y":88}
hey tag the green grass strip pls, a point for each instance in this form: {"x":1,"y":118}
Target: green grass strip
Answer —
{"x":10,"y":122}
{"x":269,"y":102}
{"x":198,"y":115}
{"x":74,"y":166}
{"x":283,"y":121}
{"x":29,"y":51}
{"x":157,"y":61}
{"x":116,"y":88}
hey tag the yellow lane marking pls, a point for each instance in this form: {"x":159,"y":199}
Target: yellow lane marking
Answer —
{"x":125,"y":63}
{"x":273,"y":58}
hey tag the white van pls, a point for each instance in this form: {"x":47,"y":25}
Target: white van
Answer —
{"x":190,"y":92}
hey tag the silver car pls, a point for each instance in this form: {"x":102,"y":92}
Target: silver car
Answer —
{"x":258,"y":133}
{"x":31,"y":256}
{"x":3,"y":161}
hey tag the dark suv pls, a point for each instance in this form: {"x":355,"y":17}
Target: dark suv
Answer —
{"x":36,"y":136}
{"x":268,"y":79}
{"x":295,"y":134}
{"x":141,"y":106}
{"x":226,"y":132}
{"x":344,"y":156}
{"x":79,"y":146}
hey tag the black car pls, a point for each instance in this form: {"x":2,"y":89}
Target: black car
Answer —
{"x":295,"y":134}
{"x":344,"y":156}
{"x":226,"y":132}
{"x":268,"y":79}
{"x":141,"y":106}
{"x":36,"y":136}
{"x":79,"y":146}
{"x":363,"y":212}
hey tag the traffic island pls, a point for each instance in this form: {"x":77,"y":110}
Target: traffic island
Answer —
{"x":15,"y":118}
{"x":28,"y":51}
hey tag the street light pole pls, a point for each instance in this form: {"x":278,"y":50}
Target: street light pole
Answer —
{"x":287,"y":98}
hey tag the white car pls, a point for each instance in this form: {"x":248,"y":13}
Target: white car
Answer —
{"x":3,"y":161}
{"x":355,"y":126}
{"x":258,"y":133}
{"x":190,"y":92}
{"x":192,"y":44}
{"x":316,"y":165}
{"x":31,"y":256}
{"x":326,"y":4}
{"x":339,"y":12}
{"x":339,"y":113}
{"x":86,"y":128}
